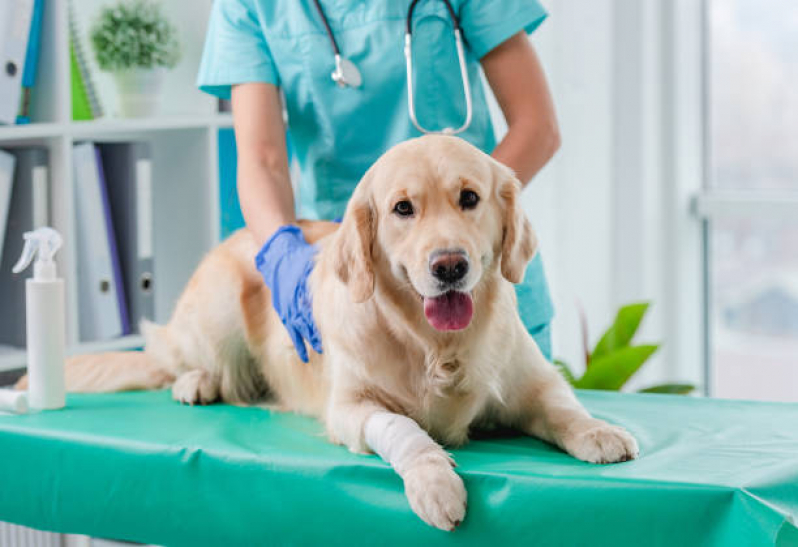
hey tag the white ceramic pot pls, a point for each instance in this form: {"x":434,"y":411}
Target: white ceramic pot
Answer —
{"x":139,"y":91}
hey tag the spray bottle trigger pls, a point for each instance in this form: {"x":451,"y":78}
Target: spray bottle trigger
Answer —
{"x":43,"y":242}
{"x":28,"y":252}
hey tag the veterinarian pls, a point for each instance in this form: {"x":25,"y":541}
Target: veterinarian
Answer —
{"x":338,"y":69}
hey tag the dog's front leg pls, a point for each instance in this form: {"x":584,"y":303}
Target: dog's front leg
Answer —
{"x":435,"y":492}
{"x":547,"y":408}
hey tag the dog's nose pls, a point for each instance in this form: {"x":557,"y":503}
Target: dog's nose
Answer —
{"x":448,"y":266}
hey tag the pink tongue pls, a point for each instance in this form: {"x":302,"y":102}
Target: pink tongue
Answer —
{"x":450,"y":311}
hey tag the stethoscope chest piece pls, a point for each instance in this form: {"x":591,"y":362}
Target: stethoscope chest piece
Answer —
{"x":346,"y":73}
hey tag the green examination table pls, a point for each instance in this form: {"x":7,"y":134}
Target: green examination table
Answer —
{"x":138,"y":466}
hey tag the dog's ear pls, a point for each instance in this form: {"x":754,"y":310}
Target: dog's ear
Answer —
{"x":519,"y":242}
{"x":352,"y":258}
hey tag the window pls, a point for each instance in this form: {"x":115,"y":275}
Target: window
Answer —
{"x":752,"y":155}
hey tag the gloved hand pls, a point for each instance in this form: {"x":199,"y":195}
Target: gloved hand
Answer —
{"x":285,"y":262}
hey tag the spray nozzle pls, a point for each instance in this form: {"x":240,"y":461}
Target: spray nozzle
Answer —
{"x":42,"y":244}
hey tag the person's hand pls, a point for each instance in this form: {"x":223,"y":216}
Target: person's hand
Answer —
{"x":285,"y":262}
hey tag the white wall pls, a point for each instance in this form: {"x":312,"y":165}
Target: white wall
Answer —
{"x":570,"y":203}
{"x":607,"y":206}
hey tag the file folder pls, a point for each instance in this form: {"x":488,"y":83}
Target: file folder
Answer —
{"x":102,"y":308}
{"x":31,"y":62}
{"x":29,"y":209}
{"x":15,"y":21}
{"x":128,"y":174}
{"x":85,"y":101}
{"x":7,"y":162}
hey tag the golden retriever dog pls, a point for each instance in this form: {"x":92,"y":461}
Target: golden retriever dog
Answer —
{"x":413,"y":297}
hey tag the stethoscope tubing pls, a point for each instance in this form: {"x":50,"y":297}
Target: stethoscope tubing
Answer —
{"x":458,"y":41}
{"x":340,"y":78}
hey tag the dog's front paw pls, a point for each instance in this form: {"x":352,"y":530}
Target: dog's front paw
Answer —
{"x":601,"y":442}
{"x":436,"y":493}
{"x":195,"y":387}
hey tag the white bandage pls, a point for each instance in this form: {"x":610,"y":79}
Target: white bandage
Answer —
{"x":13,"y":401}
{"x":397,"y":439}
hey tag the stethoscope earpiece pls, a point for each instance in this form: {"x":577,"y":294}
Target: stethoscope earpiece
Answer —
{"x":346,"y":74}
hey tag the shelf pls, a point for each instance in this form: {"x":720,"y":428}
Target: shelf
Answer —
{"x":154,"y":124}
{"x":11,"y":358}
{"x":33,"y":131}
{"x":14,"y":358}
{"x":184,"y":161}
{"x":133,"y":341}
{"x":22,"y":134}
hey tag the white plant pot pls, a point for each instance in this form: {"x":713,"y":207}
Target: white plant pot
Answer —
{"x":139,"y":91}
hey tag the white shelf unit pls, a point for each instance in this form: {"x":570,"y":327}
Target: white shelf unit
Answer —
{"x":184,"y":149}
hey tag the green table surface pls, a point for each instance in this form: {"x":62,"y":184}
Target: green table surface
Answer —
{"x":138,"y":466}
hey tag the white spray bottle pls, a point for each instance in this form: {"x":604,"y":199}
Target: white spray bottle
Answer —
{"x":44,"y":301}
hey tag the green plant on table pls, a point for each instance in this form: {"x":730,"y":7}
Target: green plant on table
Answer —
{"x":134,"y":34}
{"x":615,"y":359}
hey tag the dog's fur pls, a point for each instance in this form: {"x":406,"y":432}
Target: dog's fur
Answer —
{"x":225,"y":342}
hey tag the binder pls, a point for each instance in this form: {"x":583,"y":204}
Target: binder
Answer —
{"x":81,"y":108}
{"x":29,"y":210}
{"x":15,"y":20}
{"x":101,"y":302}
{"x":85,"y":101}
{"x":128,"y":174}
{"x":31,"y":61}
{"x":6,"y":184}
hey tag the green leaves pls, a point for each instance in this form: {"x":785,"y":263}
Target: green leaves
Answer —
{"x":623,"y":329}
{"x":615,"y":360}
{"x":613,"y":370}
{"x":565,"y":370}
{"x":134,"y":34}
{"x":672,"y":389}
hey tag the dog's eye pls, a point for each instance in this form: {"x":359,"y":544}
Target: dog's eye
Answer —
{"x":403,"y":208}
{"x":468,"y":199}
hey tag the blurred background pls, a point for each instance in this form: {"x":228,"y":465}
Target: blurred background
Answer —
{"x":675,"y":191}
{"x":676,"y":185}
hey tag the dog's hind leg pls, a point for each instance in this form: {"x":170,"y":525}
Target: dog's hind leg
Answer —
{"x":111,"y":372}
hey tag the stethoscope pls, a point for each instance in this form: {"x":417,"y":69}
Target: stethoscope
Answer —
{"x":346,"y":73}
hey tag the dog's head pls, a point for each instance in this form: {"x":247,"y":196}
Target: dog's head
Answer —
{"x":434,"y":217}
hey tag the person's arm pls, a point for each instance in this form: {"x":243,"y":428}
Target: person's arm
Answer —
{"x":519,"y":84}
{"x":264,"y":183}
{"x":267,"y":202}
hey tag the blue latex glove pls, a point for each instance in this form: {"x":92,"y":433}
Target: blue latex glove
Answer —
{"x":285,"y":262}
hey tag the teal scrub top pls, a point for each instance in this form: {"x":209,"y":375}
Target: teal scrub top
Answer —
{"x":337,"y":133}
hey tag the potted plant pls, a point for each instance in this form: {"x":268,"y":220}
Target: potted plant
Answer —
{"x":134,"y":41}
{"x":615,"y":358}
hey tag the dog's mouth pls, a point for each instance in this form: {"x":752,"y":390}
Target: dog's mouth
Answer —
{"x":449,"y":311}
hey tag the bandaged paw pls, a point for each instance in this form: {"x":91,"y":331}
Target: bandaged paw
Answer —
{"x":398,"y":440}
{"x":436,"y":493}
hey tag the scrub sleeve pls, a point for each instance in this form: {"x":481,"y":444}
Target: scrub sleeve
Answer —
{"x":488,"y":23}
{"x":235,"y":51}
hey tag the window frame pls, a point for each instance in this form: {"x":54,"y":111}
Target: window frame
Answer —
{"x":683,"y":157}
{"x":711,"y":204}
